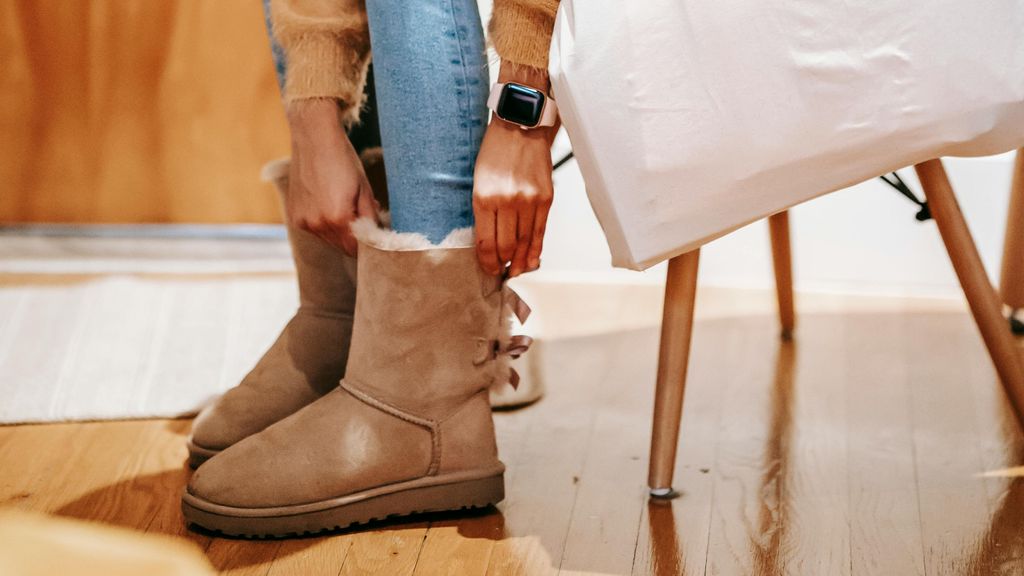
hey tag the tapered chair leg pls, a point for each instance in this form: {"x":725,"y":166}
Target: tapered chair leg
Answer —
{"x":673,"y":358}
{"x":1011,"y":281}
{"x":981,"y":296}
{"x":778,"y":229}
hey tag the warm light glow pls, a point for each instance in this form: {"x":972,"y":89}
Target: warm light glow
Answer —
{"x":1004,"y":473}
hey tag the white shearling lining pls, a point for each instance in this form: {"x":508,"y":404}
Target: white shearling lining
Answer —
{"x":368,"y":232}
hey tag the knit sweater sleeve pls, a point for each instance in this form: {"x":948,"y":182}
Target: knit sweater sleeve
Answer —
{"x":521,"y":30}
{"x":327,"y":48}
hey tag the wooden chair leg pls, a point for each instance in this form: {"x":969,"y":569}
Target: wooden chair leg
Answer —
{"x":981,"y":296}
{"x":673,"y":358}
{"x":778,"y":229}
{"x":1011,"y":281}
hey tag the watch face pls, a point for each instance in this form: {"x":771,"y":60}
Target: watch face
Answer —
{"x":521,"y":104}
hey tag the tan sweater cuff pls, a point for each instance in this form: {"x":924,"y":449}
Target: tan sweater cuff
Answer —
{"x":521,"y":30}
{"x":327,"y":47}
{"x":324,"y":67}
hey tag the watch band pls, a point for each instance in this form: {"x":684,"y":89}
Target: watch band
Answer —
{"x":548,"y":114}
{"x":495,"y":95}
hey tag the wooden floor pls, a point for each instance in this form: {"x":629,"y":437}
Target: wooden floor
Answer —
{"x":877,"y":443}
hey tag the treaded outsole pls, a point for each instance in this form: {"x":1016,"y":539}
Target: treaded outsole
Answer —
{"x":339,"y":528}
{"x":452,"y":497}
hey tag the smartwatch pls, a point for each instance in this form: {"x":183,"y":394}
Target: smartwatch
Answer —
{"x":518,"y":104}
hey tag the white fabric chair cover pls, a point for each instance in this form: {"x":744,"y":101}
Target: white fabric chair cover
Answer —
{"x":692,"y":118}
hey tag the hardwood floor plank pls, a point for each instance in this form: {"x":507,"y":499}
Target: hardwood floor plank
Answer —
{"x":392,"y":551}
{"x":114,"y":487}
{"x":953,"y":501}
{"x":612,"y":492}
{"x":167,"y":481}
{"x":885,"y":520}
{"x":311,"y":556}
{"x":1002,"y":454}
{"x":446,"y":550}
{"x":460,"y":545}
{"x":817,"y":510}
{"x":673,"y":535}
{"x":37,"y":459}
{"x":242,"y":557}
{"x":69,"y":470}
{"x":749,"y":507}
{"x":541,"y":488}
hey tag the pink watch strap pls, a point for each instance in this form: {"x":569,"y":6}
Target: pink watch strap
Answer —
{"x":549,"y":114}
{"x":495,"y":96}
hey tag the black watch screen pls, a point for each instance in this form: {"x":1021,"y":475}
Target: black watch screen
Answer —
{"x":520,"y":104}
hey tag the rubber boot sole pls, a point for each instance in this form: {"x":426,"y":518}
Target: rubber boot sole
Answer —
{"x":428,"y":494}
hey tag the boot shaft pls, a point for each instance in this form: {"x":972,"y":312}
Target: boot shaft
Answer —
{"x":426,"y":326}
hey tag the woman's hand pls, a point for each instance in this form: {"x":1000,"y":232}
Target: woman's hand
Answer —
{"x":328,"y":189}
{"x":512,"y":189}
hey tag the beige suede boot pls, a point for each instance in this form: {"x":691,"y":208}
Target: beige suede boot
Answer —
{"x":409,"y":429}
{"x":309,"y":356}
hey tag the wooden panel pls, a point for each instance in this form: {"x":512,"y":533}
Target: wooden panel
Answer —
{"x":128,"y":111}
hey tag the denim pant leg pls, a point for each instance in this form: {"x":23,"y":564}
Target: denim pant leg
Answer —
{"x":432,"y":84}
{"x":280,"y":66}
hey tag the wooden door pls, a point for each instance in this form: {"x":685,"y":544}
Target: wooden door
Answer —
{"x":136,"y":111}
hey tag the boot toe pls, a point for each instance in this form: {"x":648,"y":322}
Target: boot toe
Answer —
{"x":226,"y":421}
{"x":314,"y":455}
{"x":228,"y":478}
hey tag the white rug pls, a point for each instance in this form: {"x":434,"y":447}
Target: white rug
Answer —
{"x":130,"y":328}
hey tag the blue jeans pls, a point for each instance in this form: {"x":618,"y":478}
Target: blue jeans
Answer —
{"x":431,"y":79}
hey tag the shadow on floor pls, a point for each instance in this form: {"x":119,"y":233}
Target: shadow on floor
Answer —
{"x":151,"y":503}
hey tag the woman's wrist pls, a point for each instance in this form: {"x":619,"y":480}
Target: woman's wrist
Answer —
{"x":534,"y":78}
{"x":314,"y":121}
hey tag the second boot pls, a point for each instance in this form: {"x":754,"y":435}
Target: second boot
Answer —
{"x":309,"y":356}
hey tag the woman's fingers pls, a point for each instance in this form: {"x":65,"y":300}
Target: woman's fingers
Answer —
{"x":540,"y":222}
{"x":524,"y":234}
{"x":511,"y":234}
{"x":506,"y":223}
{"x":366,"y":204}
{"x":486,"y":239}
{"x":348,"y":241}
{"x":336,"y":232}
